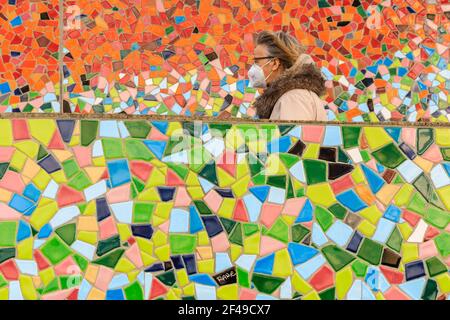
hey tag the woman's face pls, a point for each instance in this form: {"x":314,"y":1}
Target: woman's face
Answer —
{"x":270,"y":66}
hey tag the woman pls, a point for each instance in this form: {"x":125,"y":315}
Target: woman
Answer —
{"x":292,"y":82}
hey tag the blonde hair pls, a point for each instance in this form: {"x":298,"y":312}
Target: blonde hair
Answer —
{"x":281,"y":45}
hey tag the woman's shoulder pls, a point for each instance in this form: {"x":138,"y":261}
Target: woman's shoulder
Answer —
{"x":295,"y":104}
{"x":299,"y":104}
{"x":297,"y":94}
{"x":296,"y":91}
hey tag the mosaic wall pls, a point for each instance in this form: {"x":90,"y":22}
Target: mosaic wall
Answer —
{"x":29,"y":74}
{"x":138,"y":209}
{"x":383,"y":59}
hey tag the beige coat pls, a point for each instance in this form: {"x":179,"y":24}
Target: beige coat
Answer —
{"x":299,"y":104}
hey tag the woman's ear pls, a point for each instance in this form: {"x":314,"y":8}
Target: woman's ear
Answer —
{"x":276,"y":64}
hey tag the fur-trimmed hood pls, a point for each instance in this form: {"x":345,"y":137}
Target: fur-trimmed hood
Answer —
{"x":304,"y":74}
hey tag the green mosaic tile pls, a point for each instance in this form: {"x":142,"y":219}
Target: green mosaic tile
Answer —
{"x":370,"y":251}
{"x":55,"y":250}
{"x":8,"y":231}
{"x":389,"y":156}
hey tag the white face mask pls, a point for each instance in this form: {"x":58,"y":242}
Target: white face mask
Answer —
{"x":256,"y":76}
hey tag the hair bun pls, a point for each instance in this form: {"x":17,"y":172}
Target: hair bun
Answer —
{"x":304,"y":58}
